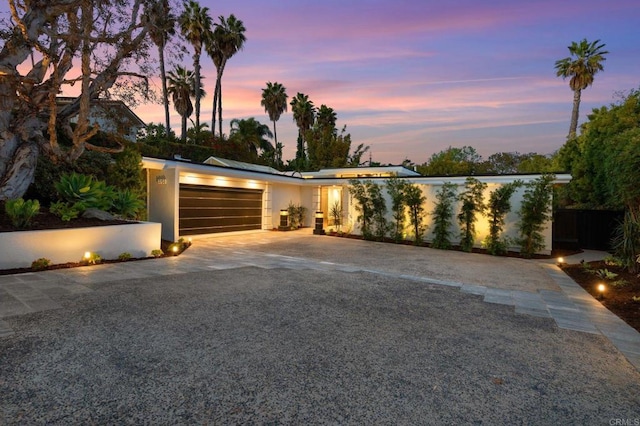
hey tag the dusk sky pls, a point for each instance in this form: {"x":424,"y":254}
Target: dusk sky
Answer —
{"x":410,"y":78}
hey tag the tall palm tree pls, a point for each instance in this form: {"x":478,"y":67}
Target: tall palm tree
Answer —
{"x":274,"y":101}
{"x":227,"y":39}
{"x":585,"y":61}
{"x":195,"y":24}
{"x":161,"y":28}
{"x":252,"y":134}
{"x":327,"y":118}
{"x":303,"y":114}
{"x":182,"y":87}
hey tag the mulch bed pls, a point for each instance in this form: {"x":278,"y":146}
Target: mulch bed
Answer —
{"x":618,"y":299}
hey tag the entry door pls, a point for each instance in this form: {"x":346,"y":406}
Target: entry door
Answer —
{"x":208,"y":210}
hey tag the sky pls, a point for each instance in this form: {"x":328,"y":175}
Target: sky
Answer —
{"x":410,"y":78}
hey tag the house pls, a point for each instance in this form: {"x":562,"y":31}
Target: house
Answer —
{"x":191,"y":199}
{"x":113,"y":116}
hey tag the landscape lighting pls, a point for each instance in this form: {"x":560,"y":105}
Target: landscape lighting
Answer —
{"x":284,"y":220}
{"x":601,"y":289}
{"x":319,"y":223}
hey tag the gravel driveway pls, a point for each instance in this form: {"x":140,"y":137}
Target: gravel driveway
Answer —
{"x":256,"y":345}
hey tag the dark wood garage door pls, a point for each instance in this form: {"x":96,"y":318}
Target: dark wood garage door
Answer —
{"x":207,"y":210}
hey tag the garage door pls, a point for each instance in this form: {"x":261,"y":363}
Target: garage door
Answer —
{"x":207,"y":210}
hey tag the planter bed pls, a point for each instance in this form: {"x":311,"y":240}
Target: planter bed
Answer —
{"x":21,"y":248}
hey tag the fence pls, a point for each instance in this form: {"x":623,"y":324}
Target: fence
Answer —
{"x":584,"y":229}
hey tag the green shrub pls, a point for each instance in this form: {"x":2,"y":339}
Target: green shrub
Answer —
{"x":442,"y":215}
{"x":380,"y":226}
{"x":336,"y":215}
{"x":40,"y":264}
{"x":472,"y":204}
{"x":66,"y":211}
{"x":124,"y":256}
{"x":48,"y":173}
{"x":297,"y":214}
{"x":534,"y":212}
{"x":606,"y":274}
{"x":498,"y":207}
{"x":396,"y":190}
{"x":626,"y":240}
{"x":21,"y":212}
{"x":126,"y":171}
{"x":157,"y":253}
{"x":127,"y":203}
{"x":415,"y":200}
{"x":359,"y":191}
{"x":620,"y":283}
{"x":612,"y":261}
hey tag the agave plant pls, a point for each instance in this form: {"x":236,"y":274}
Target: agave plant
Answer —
{"x":77,"y":187}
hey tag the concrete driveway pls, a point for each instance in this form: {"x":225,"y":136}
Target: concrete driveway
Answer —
{"x":291,"y":328}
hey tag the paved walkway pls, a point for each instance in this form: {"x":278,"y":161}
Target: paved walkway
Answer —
{"x":553,"y":295}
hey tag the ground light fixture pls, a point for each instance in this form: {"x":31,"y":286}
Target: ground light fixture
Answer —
{"x":319,"y":223}
{"x":601,"y":289}
{"x":560,"y":261}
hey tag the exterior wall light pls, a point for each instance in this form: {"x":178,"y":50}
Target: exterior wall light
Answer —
{"x":319,"y":224}
{"x":284,"y":220}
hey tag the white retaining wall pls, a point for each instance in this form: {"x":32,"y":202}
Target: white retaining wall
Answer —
{"x":21,"y":248}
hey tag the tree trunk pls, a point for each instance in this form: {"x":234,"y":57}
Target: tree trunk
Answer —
{"x":17,"y":167}
{"x":183,"y":136}
{"x":220,"y":108}
{"x":196,"y":66}
{"x":165,"y":95}
{"x":219,"y":84}
{"x":214,"y":111}
{"x":575,"y":113}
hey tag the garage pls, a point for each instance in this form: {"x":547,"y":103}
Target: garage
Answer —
{"x":209,"y":210}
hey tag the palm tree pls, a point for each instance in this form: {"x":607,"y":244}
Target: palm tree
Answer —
{"x":274,"y":101}
{"x":161,"y":28}
{"x":252,"y":134}
{"x":327,"y":118}
{"x":228,"y":38}
{"x":585,"y":61}
{"x":182,"y":86}
{"x":195,"y":24}
{"x":303,"y":114}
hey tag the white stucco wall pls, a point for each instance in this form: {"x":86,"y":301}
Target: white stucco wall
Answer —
{"x":430,"y":186}
{"x":69,"y":245}
{"x":162,"y":200}
{"x":281,"y":197}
